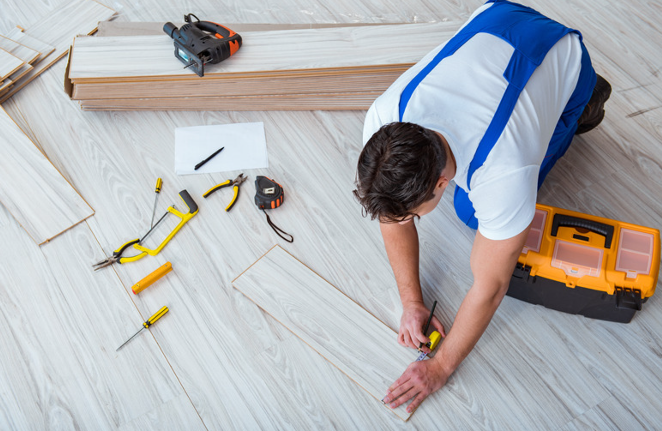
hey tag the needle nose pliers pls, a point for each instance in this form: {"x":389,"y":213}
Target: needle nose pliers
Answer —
{"x":235,"y":186}
{"x":117,"y":256}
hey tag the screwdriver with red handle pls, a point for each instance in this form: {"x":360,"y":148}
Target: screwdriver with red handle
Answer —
{"x":149,"y":322}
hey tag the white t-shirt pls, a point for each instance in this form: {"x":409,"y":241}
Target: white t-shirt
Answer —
{"x":458,"y":99}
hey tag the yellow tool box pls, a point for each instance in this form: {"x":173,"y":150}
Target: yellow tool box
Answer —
{"x":582,"y":264}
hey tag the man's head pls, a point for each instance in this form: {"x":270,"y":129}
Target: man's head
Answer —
{"x":399,"y":174}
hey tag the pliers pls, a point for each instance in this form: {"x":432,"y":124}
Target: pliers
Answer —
{"x":235,"y":186}
{"x":117,"y":256}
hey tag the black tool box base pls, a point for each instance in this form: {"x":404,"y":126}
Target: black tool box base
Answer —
{"x":555,"y":295}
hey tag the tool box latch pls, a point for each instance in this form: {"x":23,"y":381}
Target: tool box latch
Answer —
{"x":628,"y":298}
{"x":522,"y":271}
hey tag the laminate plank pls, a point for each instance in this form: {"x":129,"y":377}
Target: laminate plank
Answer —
{"x":61,"y":325}
{"x":23,"y":53}
{"x":176,"y":414}
{"x":26,"y":54}
{"x":327,"y":320}
{"x":33,"y":43}
{"x":5,"y":86}
{"x":123,"y":161}
{"x":318,"y":83}
{"x":124,"y":28}
{"x":284,"y":102}
{"x":611,"y":414}
{"x":9,"y":64}
{"x":239,"y":369}
{"x":20,"y":73}
{"x":59,"y":28}
{"x":290,"y":368}
{"x":298,"y":82}
{"x":151,"y":56}
{"x":43,"y":202}
{"x":620,"y":357}
{"x":69,"y":19}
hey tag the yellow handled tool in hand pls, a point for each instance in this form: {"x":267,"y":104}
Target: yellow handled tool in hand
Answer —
{"x":147,"y":324}
{"x":151,"y":278}
{"x":235,"y":187}
{"x":435,"y":338}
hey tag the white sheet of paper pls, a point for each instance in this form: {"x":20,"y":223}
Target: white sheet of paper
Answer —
{"x":245,"y":148}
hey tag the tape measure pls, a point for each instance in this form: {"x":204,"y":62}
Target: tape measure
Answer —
{"x":269,"y":195}
{"x":435,"y":338}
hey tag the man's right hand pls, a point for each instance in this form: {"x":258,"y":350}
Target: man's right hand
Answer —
{"x":414,"y":317}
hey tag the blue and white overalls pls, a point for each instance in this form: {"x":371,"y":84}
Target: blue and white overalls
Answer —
{"x":531,"y":35}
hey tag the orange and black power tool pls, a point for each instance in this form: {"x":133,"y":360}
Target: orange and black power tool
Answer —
{"x":200,"y":42}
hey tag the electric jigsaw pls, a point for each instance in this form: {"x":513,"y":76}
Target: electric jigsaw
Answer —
{"x":201,"y":42}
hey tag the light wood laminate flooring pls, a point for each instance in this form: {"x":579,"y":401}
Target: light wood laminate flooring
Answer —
{"x":216,"y":361}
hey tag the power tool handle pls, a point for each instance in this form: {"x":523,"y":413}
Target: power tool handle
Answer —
{"x":218,"y":29}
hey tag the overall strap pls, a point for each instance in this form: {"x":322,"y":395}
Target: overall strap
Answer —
{"x":531,"y":34}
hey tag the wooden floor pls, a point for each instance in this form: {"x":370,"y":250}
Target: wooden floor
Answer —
{"x":216,"y":361}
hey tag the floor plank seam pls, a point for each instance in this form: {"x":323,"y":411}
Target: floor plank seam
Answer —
{"x":40,"y":148}
{"x":165,"y":357}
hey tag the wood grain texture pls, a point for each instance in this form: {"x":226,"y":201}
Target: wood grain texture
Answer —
{"x":278,"y":85}
{"x":284,"y":102}
{"x":61,"y":325}
{"x":151,"y":56}
{"x":33,"y":43}
{"x":106,"y":75}
{"x":20,"y":73}
{"x":327,"y":320}
{"x":124,"y":28}
{"x":59,"y":28}
{"x":9,"y":64}
{"x":533,"y":369}
{"x":42,"y":201}
{"x":23,"y":52}
{"x":610,"y":414}
{"x":5,"y":86}
{"x":67,"y":20}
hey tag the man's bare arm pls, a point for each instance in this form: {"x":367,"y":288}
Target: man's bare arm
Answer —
{"x":492,"y":263}
{"x":401,"y":242}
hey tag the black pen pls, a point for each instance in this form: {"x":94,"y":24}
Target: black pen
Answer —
{"x":199,"y":165}
{"x":427,"y":326}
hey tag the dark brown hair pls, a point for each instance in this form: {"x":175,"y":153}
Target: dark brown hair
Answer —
{"x":398,"y":170}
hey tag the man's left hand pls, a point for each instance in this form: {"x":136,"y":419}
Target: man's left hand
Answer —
{"x":419,"y":380}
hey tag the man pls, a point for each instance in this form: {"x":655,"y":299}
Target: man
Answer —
{"x":492,"y":110}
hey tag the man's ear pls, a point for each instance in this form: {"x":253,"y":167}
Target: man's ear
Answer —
{"x":442,"y":183}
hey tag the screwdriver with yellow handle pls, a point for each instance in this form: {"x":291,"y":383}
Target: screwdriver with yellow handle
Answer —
{"x":147,"y":324}
{"x":151,"y":278}
{"x":159,"y":183}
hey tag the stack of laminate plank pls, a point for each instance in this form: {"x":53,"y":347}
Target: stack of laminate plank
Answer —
{"x":26,"y":53}
{"x":321,"y":68}
{"x":16,"y":60}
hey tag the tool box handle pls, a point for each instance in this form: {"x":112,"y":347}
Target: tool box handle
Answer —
{"x":562,"y":220}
